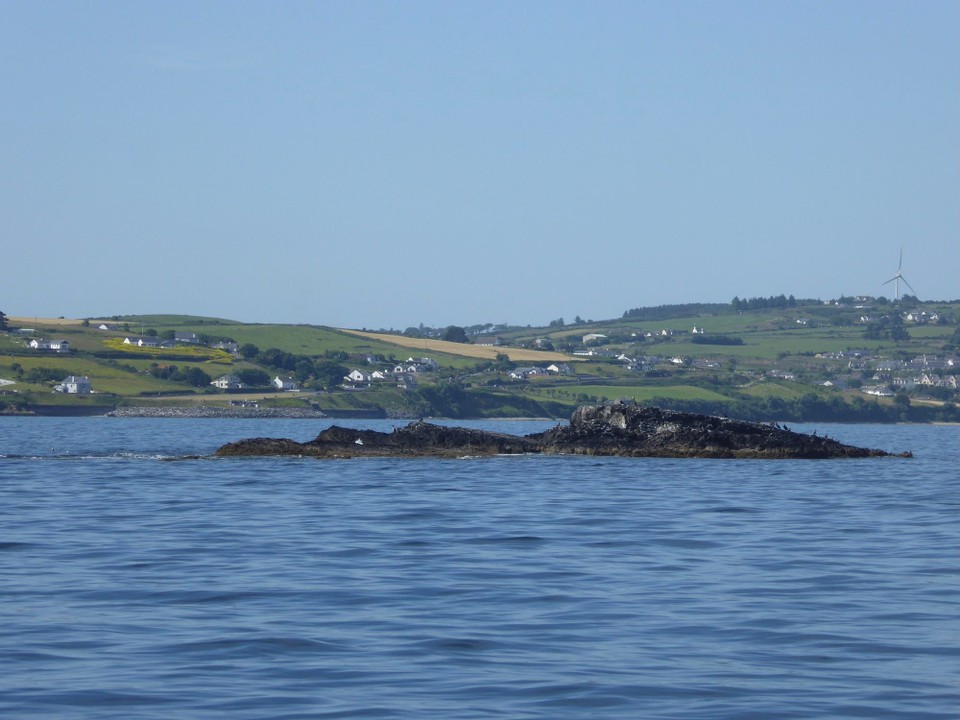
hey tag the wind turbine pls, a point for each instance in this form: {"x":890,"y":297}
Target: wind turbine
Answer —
{"x":898,"y":277}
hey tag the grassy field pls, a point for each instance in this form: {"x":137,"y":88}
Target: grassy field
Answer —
{"x":105,"y":377}
{"x":482,"y":352}
{"x":643,"y":393}
{"x":187,"y":353}
{"x":43,"y":322}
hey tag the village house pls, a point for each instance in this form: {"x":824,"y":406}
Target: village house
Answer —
{"x":60,"y":346}
{"x":593,"y":338}
{"x":835,"y":384}
{"x":75,"y":385}
{"x":560,"y":369}
{"x":523,"y":373}
{"x":186,"y":337}
{"x":287,"y":383}
{"x":230,"y":347}
{"x":427,"y":364}
{"x":593,"y":353}
{"x":406,"y":381}
{"x":357,"y":377}
{"x":228,"y":382}
{"x":487,"y":341}
{"x":145,"y":341}
{"x":415,"y":366}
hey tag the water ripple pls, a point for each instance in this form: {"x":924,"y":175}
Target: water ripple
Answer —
{"x":496,"y":588}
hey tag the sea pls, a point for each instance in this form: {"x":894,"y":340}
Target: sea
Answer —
{"x":142,"y":578}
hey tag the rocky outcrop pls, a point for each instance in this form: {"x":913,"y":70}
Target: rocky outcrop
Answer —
{"x":621,"y":429}
{"x":640,"y":431}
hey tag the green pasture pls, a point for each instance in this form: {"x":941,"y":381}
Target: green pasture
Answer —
{"x":302,"y":339}
{"x":104,"y":377}
{"x":642,"y":393}
{"x":781,"y":389}
{"x":179,"y":322}
{"x":184,"y":353}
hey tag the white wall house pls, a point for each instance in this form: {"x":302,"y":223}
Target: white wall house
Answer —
{"x":141,"y":341}
{"x":53,"y":345}
{"x":228,"y":382}
{"x":75,"y":385}
{"x":285,"y":383}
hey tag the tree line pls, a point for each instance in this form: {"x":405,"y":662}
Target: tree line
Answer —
{"x":668,"y":312}
{"x":766,"y":303}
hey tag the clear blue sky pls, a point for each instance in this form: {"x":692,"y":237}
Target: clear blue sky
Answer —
{"x":383,"y":164}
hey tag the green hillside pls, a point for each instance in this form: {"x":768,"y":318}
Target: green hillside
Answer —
{"x":804,"y":361}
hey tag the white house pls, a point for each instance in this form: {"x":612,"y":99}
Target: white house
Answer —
{"x":560,"y":369}
{"x":285,"y":383}
{"x":53,"y":345}
{"x":697,"y":330}
{"x":357,"y":377}
{"x":415,"y":366}
{"x":424,"y":363}
{"x":593,"y":337}
{"x":228,"y":382}
{"x":186,"y":337}
{"x":406,"y":381}
{"x":75,"y":385}
{"x":521,"y":373}
{"x":141,"y":341}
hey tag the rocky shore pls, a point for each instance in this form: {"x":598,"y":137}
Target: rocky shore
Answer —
{"x":621,"y":429}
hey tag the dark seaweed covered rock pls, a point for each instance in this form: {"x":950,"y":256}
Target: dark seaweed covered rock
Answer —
{"x":630,"y":430}
{"x":418,"y":439}
{"x":620,"y":429}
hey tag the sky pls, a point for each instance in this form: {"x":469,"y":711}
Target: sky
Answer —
{"x":386,"y":164}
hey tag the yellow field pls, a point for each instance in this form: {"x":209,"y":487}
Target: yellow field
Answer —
{"x":465,"y":349}
{"x":46,"y":322}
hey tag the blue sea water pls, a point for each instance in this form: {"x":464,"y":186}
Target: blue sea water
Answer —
{"x":137,"y":584}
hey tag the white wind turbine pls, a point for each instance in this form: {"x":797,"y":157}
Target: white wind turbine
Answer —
{"x":898,"y":277}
